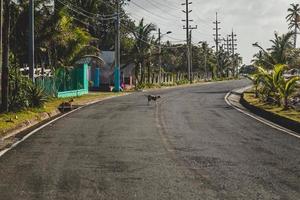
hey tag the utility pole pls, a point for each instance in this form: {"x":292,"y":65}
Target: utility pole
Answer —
{"x":117,"y":70}
{"x":217,"y":39}
{"x":187,"y":11}
{"x":217,"y":35}
{"x":227,"y":44}
{"x":1,"y":22}
{"x":191,"y":57}
{"x":159,"y":52}
{"x":233,"y":48}
{"x":5,"y":54}
{"x":31,"y":41}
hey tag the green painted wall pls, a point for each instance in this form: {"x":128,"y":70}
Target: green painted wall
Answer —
{"x":80,"y":82}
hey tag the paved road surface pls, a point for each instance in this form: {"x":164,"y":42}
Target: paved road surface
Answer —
{"x":191,"y":145}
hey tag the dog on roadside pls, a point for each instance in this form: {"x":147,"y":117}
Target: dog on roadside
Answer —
{"x":66,"y":106}
{"x":152,"y":98}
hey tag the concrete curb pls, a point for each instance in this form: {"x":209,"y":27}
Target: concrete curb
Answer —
{"x":277,"y":119}
{"x":233,"y":99}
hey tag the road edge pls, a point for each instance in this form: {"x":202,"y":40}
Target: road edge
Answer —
{"x":241,"y":108}
{"x":42,"y":125}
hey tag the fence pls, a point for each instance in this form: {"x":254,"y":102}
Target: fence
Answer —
{"x":172,"y":78}
{"x":66,"y":82}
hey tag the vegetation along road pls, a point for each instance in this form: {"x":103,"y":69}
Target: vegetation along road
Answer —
{"x":125,"y":149}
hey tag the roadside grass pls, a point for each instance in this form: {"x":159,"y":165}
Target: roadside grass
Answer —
{"x":11,"y":120}
{"x":290,"y":114}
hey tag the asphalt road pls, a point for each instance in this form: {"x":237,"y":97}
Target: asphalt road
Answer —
{"x":190,"y":145}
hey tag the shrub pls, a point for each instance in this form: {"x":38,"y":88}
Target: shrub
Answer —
{"x":17,"y":99}
{"x":36,"y":96}
{"x":23,"y":93}
{"x":182,"y":82}
{"x":274,"y":88}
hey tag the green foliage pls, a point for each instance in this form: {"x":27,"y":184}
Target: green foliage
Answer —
{"x":36,"y":96}
{"x":278,"y":53}
{"x":17,"y":91}
{"x":182,"y":82}
{"x":141,"y":52}
{"x":273,"y":87}
{"x":23,"y":93}
{"x":147,"y":86}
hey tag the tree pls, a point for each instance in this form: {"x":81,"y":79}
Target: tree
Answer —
{"x":293,"y":20}
{"x":140,"y":52}
{"x":278,"y":53}
{"x":275,"y":88}
{"x":224,"y":63}
{"x":285,"y":87}
{"x":280,"y":46}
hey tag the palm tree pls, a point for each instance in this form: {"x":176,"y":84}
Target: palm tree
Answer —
{"x":140,"y":52}
{"x":293,"y":20}
{"x":274,"y":85}
{"x":5,"y":67}
{"x":287,"y":88}
{"x":281,"y":44}
{"x":284,"y":87}
{"x":224,"y":63}
{"x":277,"y":54}
{"x":205,"y":49}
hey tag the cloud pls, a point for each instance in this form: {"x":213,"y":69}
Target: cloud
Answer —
{"x":252,"y":20}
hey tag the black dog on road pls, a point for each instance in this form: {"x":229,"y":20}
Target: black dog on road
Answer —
{"x":152,"y":98}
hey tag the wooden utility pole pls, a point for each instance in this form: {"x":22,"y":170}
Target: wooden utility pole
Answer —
{"x":217,"y":40}
{"x":5,"y":66}
{"x":117,"y":70}
{"x":217,"y":34}
{"x":159,"y":52}
{"x":1,"y":22}
{"x":31,"y":41}
{"x":233,"y":48}
{"x":187,"y":27}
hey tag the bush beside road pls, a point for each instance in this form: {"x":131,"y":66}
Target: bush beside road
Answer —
{"x":290,"y":113}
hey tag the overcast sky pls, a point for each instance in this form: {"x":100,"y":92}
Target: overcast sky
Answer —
{"x":252,"y":20}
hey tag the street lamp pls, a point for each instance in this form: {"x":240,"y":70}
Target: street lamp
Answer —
{"x":159,"y":51}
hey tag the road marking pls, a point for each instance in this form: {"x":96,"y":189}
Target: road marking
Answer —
{"x":262,"y":120}
{"x":3,"y":152}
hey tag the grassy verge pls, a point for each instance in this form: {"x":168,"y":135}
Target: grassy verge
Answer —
{"x":10,"y":121}
{"x":290,"y":114}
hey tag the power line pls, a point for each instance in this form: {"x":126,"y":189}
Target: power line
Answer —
{"x":165,"y":5}
{"x":82,"y":14}
{"x":87,"y":12}
{"x":141,"y":39}
{"x":176,"y":39}
{"x":156,"y":15}
{"x":160,"y":8}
